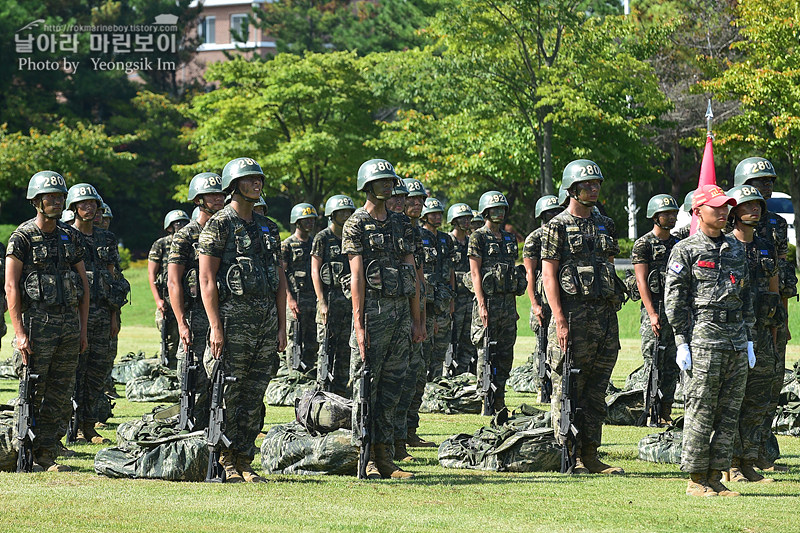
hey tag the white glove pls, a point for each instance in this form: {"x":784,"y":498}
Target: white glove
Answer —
{"x":751,"y":354}
{"x":684,"y":357}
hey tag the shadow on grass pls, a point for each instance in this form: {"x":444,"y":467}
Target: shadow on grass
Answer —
{"x":491,"y":478}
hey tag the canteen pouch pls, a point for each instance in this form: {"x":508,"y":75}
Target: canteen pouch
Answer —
{"x":586,"y":280}
{"x":373,"y":276}
{"x":390,"y":278}
{"x":41,"y":288}
{"x":408,"y":280}
{"x":787,"y":279}
{"x":630,"y":284}
{"x":430,"y":290}
{"x":191,"y":285}
{"x":444,"y":295}
{"x":766,"y":308}
{"x":655,"y":281}
{"x":345,"y":281}
{"x":608,"y":287}
{"x":521,"y":280}
{"x":466,"y":280}
{"x":489,"y":283}
{"x":568,"y":279}
{"x":120,"y":289}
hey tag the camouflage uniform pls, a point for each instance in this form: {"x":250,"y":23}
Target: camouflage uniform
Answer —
{"x":583,"y":247}
{"x":297,"y":260}
{"x":532,"y":249}
{"x":386,"y":314}
{"x":159,"y":254}
{"x":467,"y":355}
{"x":756,"y":408}
{"x":248,"y":310}
{"x":53,"y":328}
{"x":501,"y":302}
{"x":437,"y":265}
{"x":3,"y":328}
{"x":328,"y":247}
{"x":708,"y":304}
{"x":95,"y":364}
{"x":184,"y":251}
{"x":653,"y":252}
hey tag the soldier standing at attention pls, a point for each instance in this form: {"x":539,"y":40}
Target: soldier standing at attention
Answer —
{"x":330,"y":269}
{"x":710,"y":308}
{"x":157,"y":276}
{"x":769,"y":312}
{"x":760,"y":173}
{"x":44,"y":273}
{"x":649,"y":257}
{"x":578,"y":249}
{"x":300,"y":298}
{"x":546,"y":208}
{"x":100,"y":261}
{"x":244,"y":295}
{"x":459,"y":217}
{"x":492,"y":255}
{"x":380,"y":247}
{"x":205,"y":190}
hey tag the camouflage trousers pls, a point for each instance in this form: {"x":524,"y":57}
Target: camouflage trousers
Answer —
{"x":435,"y":346}
{"x":114,"y":347}
{"x":755,"y":412}
{"x":668,"y":370}
{"x":502,"y":330}
{"x":308,"y":331}
{"x":413,"y":386}
{"x":467,"y":355}
{"x":595,"y":346}
{"x":713,"y":393}
{"x":198,"y":324}
{"x":337,"y":361}
{"x":173,"y":338}
{"x":94,"y":365}
{"x":541,"y":332}
{"x":55,"y":340}
{"x":389,"y":334}
{"x":251,"y":356}
{"x":776,"y":385}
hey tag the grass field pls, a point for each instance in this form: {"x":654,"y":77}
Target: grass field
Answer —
{"x":649,"y":498}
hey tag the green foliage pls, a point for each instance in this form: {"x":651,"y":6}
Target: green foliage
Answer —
{"x":625,"y":247}
{"x":5,"y":232}
{"x":124,"y":257}
{"x":791,"y":255}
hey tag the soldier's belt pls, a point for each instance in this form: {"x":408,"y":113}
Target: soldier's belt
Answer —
{"x":52,"y":308}
{"x":719,"y":315}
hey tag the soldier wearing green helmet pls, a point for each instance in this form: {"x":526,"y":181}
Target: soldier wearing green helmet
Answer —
{"x":105,"y":216}
{"x":45,"y":281}
{"x":157,"y":274}
{"x":260,"y":206}
{"x":330,"y":272}
{"x":546,"y":208}
{"x":100,"y":261}
{"x":397,"y":202}
{"x":300,"y":298}
{"x":243,"y":288}
{"x":477,"y":221}
{"x":183,"y":287}
{"x":385,"y":303}
{"x":496,"y":281}
{"x":757,"y":411}
{"x":68,"y":216}
{"x":460,"y":216}
{"x":584,"y":293}
{"x":649,"y":258}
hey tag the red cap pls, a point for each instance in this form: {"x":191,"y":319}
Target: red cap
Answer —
{"x":711,"y":195}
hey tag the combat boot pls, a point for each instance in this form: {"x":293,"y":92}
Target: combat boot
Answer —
{"x":595,"y":465}
{"x":63,"y":451}
{"x":243,"y":465}
{"x":92,"y":436}
{"x":415,"y":441}
{"x":715,"y":482}
{"x":386,"y":466}
{"x":746,"y":470}
{"x":401,"y":452}
{"x":698,"y":486}
{"x":768,"y":466}
{"x":227,"y":459}
{"x":48,"y":464}
{"x":80,"y":438}
{"x":579,"y":467}
{"x":372,"y":469}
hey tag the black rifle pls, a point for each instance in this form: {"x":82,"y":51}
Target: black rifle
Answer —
{"x":488,"y":386}
{"x":365,"y":419}
{"x":569,"y":412}
{"x":74,"y":421}
{"x":188,"y":387}
{"x":26,"y":421}
{"x":545,"y":381}
{"x":652,"y":392}
{"x":215,"y":433}
{"x":165,"y":319}
{"x":328,"y":360}
{"x":297,"y":348}
{"x":451,"y":355}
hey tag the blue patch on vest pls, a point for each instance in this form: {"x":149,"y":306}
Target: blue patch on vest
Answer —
{"x":64,"y":238}
{"x":265,"y":229}
{"x":773,"y":221}
{"x":764,"y":252}
{"x":601,"y":228}
{"x":425,"y":241}
{"x":508,"y":237}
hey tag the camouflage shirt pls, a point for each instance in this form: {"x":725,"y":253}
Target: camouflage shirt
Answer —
{"x":498,"y":258}
{"x":532,"y":249}
{"x":651,"y":251}
{"x":184,"y":251}
{"x":762,"y":262}
{"x":460,"y":262}
{"x":100,"y":252}
{"x":328,"y":247}
{"x":2,"y":270}
{"x":773,"y":228}
{"x":437,"y":256}
{"x":159,"y":254}
{"x":296,"y":256}
{"x":708,"y":299}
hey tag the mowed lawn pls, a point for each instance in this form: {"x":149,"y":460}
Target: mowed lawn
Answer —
{"x":649,"y":498}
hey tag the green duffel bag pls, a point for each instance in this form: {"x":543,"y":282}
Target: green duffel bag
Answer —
{"x":320,"y":412}
{"x":787,"y":420}
{"x":452,"y":395}
{"x":158,"y":423}
{"x":161,"y":385}
{"x":178,"y":457}
{"x":288,"y":387}
{"x":525,"y":378}
{"x":290,"y":449}
{"x":7,"y":370}
{"x":8,"y":454}
{"x":133,"y":365}
{"x":624,"y":408}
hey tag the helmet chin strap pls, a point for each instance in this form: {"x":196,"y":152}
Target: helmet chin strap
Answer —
{"x":204,"y":208}
{"x":662,"y":226}
{"x":38,"y":206}
{"x":378,"y":196}
{"x":246,"y":199}
{"x":586,"y":203}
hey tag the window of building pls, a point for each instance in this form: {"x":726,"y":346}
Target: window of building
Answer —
{"x":206,"y":30}
{"x":239,"y":28}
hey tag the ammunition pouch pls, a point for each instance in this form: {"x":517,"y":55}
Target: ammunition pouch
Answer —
{"x":44,"y":288}
{"x":330,"y":273}
{"x":656,"y":280}
{"x":247,"y":277}
{"x":466,"y":281}
{"x":503,"y":278}
{"x":443,"y":297}
{"x":593,"y":282}
{"x":120,"y":289}
{"x":100,"y":281}
{"x":299,"y":281}
{"x":191,"y":285}
{"x":630,"y":284}
{"x":787,"y":279}
{"x":767,"y":309}
{"x":521,"y":280}
{"x":391,"y":282}
{"x":345,"y":281}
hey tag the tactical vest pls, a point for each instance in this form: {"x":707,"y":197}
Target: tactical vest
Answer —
{"x":97,"y":257}
{"x":298,"y":266}
{"x":384,"y":247}
{"x":47,"y":277}
{"x":436,"y":269}
{"x":659,"y":253}
{"x":498,"y":273}
{"x":461,"y":264}
{"x":335,"y":270}
{"x":191,"y":272}
{"x":762,"y":264}
{"x":249,"y":266}
{"x":161,"y":280}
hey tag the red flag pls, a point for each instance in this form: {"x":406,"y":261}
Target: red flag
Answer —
{"x":708,"y":176}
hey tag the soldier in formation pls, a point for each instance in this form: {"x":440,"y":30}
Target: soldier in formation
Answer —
{"x":459,"y":216}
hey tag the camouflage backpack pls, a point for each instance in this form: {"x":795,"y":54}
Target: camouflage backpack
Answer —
{"x":161,"y":385}
{"x":525,"y":378}
{"x":320,"y":412}
{"x":8,"y":454}
{"x":624,"y":408}
{"x":7,"y":370}
{"x":287,"y":387}
{"x":290,"y":449}
{"x":133,"y":365}
{"x":452,"y":395}
{"x":787,"y":420}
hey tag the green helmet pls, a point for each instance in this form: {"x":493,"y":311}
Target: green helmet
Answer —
{"x":44,"y":182}
{"x":414,"y":187}
{"x":80,"y":192}
{"x":545,"y":203}
{"x":106,"y":211}
{"x":175,"y":215}
{"x":458,"y":210}
{"x":239,"y":168}
{"x":687,"y":201}
{"x":301,"y":211}
{"x":373,"y":170}
{"x":260,"y":203}
{"x":400,"y":189}
{"x":752,"y":168}
{"x":476,"y":218}
{"x":491,"y":199}
{"x":747,"y":193}
{"x":580,"y":170}
{"x":196,"y":213}
{"x":338,"y":202}
{"x":204,"y":183}
{"x":432,"y":205}
{"x":660,"y":203}
{"x":563,"y":196}
{"x":67,"y":216}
